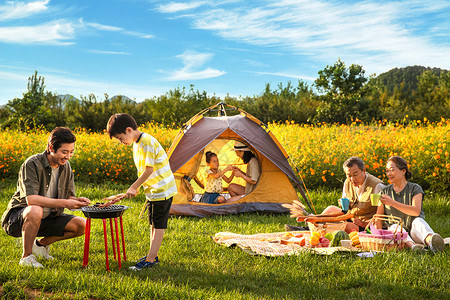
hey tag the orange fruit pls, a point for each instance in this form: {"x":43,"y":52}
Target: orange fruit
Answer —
{"x":316,"y":234}
{"x":313,"y":240}
{"x":353,"y":233}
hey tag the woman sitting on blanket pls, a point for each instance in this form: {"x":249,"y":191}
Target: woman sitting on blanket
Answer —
{"x":403,"y":199}
{"x":213,"y":186}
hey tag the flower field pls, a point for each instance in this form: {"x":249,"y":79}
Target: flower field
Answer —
{"x":317,"y":151}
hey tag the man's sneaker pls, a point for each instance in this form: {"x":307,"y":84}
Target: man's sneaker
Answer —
{"x":145,"y":257}
{"x":437,"y":243}
{"x":30,"y":261}
{"x":41,"y":251}
{"x":419,"y":248}
{"x":142,"y":265}
{"x":295,"y":228}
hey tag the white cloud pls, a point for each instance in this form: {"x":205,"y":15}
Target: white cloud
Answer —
{"x":174,"y":7}
{"x":19,"y":10}
{"x":56,"y":33}
{"x":371,"y":30}
{"x":102,"y":27}
{"x":108,"y":52}
{"x":287,"y":74}
{"x":195,"y":75}
{"x":192,"y":61}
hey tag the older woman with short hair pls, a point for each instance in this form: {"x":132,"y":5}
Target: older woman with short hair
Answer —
{"x":403,"y":199}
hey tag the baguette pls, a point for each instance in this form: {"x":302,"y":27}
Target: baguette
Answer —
{"x":111,"y":200}
{"x":328,"y":218}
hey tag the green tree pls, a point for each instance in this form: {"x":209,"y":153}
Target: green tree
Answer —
{"x":343,"y":92}
{"x":29,"y":112}
{"x":284,"y":103}
{"x":340,"y":81}
{"x":178,"y":106}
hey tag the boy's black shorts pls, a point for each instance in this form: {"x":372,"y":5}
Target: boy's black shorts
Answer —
{"x":50,"y":226}
{"x":158,"y":213}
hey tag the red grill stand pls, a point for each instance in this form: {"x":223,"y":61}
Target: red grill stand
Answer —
{"x":114,"y":230}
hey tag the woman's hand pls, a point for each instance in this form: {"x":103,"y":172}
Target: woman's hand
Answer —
{"x":238,"y":173}
{"x":387,"y":200}
{"x":412,"y":210}
{"x":229,"y":168}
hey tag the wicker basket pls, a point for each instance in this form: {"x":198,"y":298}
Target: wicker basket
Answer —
{"x":383,"y":240}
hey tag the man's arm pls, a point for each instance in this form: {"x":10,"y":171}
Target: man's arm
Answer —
{"x":71,"y":203}
{"x":134,"y":188}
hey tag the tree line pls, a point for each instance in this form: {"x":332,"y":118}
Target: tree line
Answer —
{"x":341,"y":94}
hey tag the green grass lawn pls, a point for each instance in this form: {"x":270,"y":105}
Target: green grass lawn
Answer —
{"x":194,"y":267}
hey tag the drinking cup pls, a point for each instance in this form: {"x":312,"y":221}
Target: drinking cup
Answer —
{"x":375,"y":199}
{"x":345,"y":203}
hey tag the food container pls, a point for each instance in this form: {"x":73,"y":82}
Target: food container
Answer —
{"x":95,"y":212}
{"x":383,"y":240}
{"x":328,"y":227}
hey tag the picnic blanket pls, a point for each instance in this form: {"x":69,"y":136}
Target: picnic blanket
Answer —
{"x":269,"y":244}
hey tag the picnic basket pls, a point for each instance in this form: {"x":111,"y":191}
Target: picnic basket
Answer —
{"x":383,"y":240}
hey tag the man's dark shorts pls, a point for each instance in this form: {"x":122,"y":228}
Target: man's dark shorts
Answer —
{"x":50,"y":226}
{"x":158,"y":213}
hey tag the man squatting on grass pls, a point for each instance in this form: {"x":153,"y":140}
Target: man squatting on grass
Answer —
{"x":44,"y":188}
{"x":358,"y":187}
{"x":154,"y":175}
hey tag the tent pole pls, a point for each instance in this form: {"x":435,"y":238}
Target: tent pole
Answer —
{"x":309,"y":202}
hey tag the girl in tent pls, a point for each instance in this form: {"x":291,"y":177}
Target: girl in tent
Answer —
{"x":213,"y":186}
{"x":251,"y":176}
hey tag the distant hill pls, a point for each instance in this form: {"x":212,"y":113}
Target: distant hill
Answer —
{"x":122,"y":97}
{"x":67,"y":97}
{"x":408,"y":75}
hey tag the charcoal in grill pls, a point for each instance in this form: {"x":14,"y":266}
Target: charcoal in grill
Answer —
{"x":94,"y":212}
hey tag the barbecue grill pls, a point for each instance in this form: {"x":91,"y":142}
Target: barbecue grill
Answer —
{"x":96,"y":212}
{"x":109,"y":212}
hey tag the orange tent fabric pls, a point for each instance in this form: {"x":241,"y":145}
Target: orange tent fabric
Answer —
{"x":200,"y":134}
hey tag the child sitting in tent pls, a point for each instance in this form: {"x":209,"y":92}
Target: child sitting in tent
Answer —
{"x":213,"y":186}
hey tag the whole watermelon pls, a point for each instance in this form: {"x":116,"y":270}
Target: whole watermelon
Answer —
{"x":338,"y":236}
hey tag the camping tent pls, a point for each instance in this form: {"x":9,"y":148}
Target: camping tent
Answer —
{"x":200,"y":134}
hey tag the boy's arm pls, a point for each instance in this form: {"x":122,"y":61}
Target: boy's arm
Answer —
{"x":134,"y":188}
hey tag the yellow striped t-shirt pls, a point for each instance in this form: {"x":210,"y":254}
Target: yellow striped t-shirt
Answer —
{"x":161,"y":183}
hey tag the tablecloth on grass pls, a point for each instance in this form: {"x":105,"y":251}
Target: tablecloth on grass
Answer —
{"x":268,"y":244}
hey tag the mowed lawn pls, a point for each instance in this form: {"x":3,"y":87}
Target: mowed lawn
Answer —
{"x":194,"y":267}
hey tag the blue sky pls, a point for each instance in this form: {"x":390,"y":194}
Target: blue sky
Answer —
{"x":144,"y":48}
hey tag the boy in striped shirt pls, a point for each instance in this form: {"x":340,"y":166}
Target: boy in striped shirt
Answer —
{"x":154,"y":175}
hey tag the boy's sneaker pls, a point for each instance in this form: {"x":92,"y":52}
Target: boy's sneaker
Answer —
{"x":142,"y":265}
{"x":41,"y":251}
{"x":145,"y":257}
{"x":30,"y":261}
{"x":437,"y":243}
